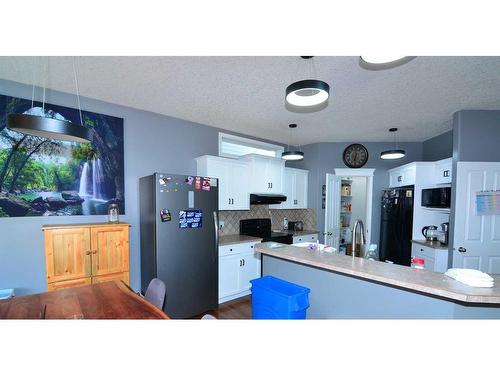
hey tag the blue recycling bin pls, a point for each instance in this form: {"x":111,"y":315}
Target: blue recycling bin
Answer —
{"x":273,"y":298}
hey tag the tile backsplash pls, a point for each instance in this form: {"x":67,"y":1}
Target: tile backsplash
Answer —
{"x":232,"y":218}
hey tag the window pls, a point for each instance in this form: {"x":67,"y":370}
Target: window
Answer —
{"x":232,"y":146}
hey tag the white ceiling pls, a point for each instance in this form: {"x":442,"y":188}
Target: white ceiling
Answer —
{"x":246,"y":94}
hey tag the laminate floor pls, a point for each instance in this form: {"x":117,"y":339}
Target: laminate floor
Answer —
{"x":240,"y":308}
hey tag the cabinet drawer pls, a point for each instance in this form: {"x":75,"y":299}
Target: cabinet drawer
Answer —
{"x":422,"y":251}
{"x":239,"y":248}
{"x":305,"y":238}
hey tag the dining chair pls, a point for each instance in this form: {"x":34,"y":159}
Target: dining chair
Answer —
{"x":208,"y":316}
{"x":155,"y":293}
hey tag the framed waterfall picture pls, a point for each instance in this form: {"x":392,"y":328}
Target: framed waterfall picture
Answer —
{"x":46,"y":177}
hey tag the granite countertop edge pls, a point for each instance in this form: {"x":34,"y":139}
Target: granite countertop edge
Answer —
{"x":233,"y":239}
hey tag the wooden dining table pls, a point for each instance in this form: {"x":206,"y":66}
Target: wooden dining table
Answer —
{"x":109,"y":300}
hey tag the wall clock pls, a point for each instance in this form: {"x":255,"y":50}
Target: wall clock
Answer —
{"x":355,"y":155}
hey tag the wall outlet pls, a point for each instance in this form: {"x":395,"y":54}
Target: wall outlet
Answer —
{"x":221,"y":224}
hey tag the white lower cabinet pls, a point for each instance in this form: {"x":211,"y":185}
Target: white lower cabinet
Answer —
{"x":305,"y":238}
{"x":238,"y":264}
{"x":435,"y":260}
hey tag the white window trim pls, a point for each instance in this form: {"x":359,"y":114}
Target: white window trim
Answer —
{"x":249,"y":141}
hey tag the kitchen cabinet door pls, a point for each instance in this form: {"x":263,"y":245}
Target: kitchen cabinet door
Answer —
{"x":110,"y":247}
{"x":249,"y":270}
{"x":67,"y":254}
{"x":288,"y":191}
{"x":301,"y":181}
{"x":395,"y":178}
{"x":276,"y":175}
{"x":237,"y":182}
{"x":266,"y":174}
{"x":229,"y":275}
{"x":442,"y":174}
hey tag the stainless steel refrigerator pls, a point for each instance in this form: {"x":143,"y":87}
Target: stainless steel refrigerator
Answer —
{"x":396,"y":225}
{"x":179,"y":240}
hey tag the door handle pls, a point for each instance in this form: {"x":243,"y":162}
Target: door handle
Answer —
{"x":462,"y":249}
{"x":243,"y":262}
{"x":216,"y":245}
{"x":240,"y":263}
{"x":229,"y":201}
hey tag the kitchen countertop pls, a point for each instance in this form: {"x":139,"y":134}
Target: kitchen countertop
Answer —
{"x":424,"y":281}
{"x":232,"y":239}
{"x":434,"y":244}
{"x":304,"y":232}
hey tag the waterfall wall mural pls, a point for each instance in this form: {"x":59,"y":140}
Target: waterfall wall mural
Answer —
{"x":46,"y":177}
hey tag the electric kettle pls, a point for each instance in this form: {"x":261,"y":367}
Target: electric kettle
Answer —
{"x":430,"y":232}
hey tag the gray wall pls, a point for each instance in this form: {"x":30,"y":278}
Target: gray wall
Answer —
{"x":323,"y":158}
{"x":152,"y":143}
{"x":476,"y":135}
{"x":439,"y":147}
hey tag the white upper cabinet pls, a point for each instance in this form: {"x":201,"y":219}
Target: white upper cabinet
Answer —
{"x":233,"y":180}
{"x":403,"y":176}
{"x":266,"y":174}
{"x":442,"y":172}
{"x":294,"y":188}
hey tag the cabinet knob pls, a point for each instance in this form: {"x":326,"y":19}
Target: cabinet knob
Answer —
{"x":462,"y":249}
{"x":230,"y":249}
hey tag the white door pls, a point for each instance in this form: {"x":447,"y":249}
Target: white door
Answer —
{"x":229,"y":275}
{"x":332,"y":211}
{"x":476,"y":238}
{"x":289,"y":189}
{"x":237,"y":180}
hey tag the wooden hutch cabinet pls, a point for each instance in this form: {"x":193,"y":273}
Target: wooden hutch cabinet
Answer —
{"x":82,"y":254}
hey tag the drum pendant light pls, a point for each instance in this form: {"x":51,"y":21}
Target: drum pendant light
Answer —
{"x":292,"y":155}
{"x":395,"y":153}
{"x":308,"y":95}
{"x":41,"y":123}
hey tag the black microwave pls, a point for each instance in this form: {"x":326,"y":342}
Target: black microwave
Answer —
{"x":436,"y":197}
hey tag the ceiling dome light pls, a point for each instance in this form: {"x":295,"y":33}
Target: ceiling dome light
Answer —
{"x":395,"y":153}
{"x":307,"y":93}
{"x":292,"y":155}
{"x":383,"y":62}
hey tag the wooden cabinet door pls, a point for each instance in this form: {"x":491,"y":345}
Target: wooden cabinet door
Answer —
{"x":67,"y":254}
{"x":68,"y":284}
{"x":122,"y":276}
{"x":110,"y":249}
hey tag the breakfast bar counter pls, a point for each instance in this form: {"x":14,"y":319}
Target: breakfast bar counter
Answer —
{"x":346,"y":287}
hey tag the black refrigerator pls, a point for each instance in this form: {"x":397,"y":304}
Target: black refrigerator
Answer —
{"x":179,"y":240}
{"x":396,"y":225}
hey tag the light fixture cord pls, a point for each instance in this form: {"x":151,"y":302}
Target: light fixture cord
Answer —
{"x":45,"y":83}
{"x":77,"y":92}
{"x":34,"y":80}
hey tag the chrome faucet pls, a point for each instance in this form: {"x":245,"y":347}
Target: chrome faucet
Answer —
{"x":357,"y":223}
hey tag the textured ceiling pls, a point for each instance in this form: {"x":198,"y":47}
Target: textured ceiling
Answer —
{"x":246,"y":94}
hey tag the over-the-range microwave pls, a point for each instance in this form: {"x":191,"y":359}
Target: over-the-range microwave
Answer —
{"x":436,"y":197}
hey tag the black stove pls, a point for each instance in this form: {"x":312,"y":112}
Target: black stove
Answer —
{"x":262,"y":228}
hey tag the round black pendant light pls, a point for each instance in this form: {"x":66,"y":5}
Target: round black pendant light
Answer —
{"x":308,"y":95}
{"x":395,"y":153}
{"x":292,"y":155}
{"x":43,"y":125}
{"x":47,"y":127}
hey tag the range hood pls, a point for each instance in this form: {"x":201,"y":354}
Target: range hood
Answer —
{"x":267,"y":198}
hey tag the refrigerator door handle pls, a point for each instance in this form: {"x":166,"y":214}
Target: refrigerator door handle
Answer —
{"x":216,"y":225}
